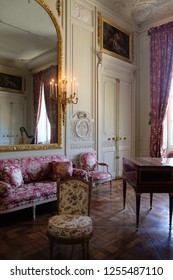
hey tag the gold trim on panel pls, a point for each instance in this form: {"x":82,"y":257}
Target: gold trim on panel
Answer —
{"x":59,"y":7}
{"x":57,"y":145}
{"x":99,"y":29}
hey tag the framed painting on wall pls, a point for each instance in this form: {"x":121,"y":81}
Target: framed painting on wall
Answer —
{"x":11,"y":82}
{"x":114,"y":40}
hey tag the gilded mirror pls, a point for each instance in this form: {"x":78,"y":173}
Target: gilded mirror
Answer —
{"x":45,"y":9}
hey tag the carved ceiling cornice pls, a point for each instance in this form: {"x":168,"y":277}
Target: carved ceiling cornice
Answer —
{"x":140,"y":11}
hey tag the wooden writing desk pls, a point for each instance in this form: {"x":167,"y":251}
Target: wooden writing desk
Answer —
{"x":148,"y":175}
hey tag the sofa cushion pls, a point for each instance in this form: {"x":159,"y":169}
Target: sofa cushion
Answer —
{"x":13,"y":175}
{"x":37,"y":169}
{"x":62,"y":169}
{"x":34,"y":170}
{"x":4,"y":189}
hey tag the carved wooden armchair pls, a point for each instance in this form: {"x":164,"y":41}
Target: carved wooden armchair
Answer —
{"x":88,"y":162}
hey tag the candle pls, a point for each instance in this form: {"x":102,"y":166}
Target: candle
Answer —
{"x":74,"y":90}
{"x":71,"y":86}
{"x":50,"y":87}
{"x":55,"y":90}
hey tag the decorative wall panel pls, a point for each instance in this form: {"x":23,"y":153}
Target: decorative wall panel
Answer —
{"x":82,"y":131}
{"x":81,"y":12}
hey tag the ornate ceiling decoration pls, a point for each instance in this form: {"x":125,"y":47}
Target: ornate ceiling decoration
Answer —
{"x":140,"y":11}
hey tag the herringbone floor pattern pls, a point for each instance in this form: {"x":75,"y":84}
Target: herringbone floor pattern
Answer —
{"x":115,"y":236}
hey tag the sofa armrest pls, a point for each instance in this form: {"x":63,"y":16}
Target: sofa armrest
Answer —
{"x":5,"y":189}
{"x":80,"y":173}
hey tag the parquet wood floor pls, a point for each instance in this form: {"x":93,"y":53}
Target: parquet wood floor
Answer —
{"x":115,"y":236}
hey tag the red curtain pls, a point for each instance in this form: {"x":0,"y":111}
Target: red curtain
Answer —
{"x":161,"y":48}
{"x":43,"y":78}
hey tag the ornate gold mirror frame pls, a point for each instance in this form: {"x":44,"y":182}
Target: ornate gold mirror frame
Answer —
{"x":57,"y":145}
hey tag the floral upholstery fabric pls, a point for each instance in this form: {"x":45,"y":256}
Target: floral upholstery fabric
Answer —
{"x":99,"y":175}
{"x":62,"y":169}
{"x":70,"y":226}
{"x":28,"y":194}
{"x":5,"y":189}
{"x":33,"y":168}
{"x":12,"y":175}
{"x":88,"y":161}
{"x":97,"y":172}
{"x":37,"y":186}
{"x":73,"y":198}
{"x":72,"y":221}
{"x":80,"y":173}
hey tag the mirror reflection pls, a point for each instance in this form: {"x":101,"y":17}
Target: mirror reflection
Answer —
{"x":29,"y":108}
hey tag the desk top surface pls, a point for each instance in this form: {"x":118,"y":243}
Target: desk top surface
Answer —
{"x":152,"y":162}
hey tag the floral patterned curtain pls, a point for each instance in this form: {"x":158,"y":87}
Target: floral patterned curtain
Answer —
{"x":43,"y":78}
{"x":161,"y":48}
{"x":51,"y":104}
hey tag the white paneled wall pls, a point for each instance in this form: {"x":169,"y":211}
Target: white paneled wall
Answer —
{"x":81,"y":63}
{"x":144,"y":95}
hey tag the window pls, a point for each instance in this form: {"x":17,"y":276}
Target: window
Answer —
{"x":44,"y":130}
{"x":168,"y":124}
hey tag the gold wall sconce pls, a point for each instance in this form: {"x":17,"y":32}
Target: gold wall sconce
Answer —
{"x":63,"y":96}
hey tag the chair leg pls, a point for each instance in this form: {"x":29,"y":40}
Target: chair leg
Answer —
{"x":83,"y":249}
{"x":51,"y":245}
{"x":87,"y":248}
{"x":111,"y":187}
{"x":34,"y":211}
{"x":72,"y":251}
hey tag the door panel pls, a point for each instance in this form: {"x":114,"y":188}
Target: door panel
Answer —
{"x":125,"y":122}
{"x":12,"y":112}
{"x":110,"y":122}
{"x":115,"y":119}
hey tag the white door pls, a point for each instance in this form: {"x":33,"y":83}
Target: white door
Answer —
{"x":5,"y":122}
{"x":115,"y":120}
{"x":124,"y":123}
{"x":12,"y":117}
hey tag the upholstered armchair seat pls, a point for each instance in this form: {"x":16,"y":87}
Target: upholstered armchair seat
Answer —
{"x":101,"y":175}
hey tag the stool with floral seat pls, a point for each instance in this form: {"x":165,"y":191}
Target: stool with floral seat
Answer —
{"x":72,"y":224}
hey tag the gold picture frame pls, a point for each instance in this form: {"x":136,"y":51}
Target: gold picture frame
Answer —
{"x":11,"y":82}
{"x":114,"y":40}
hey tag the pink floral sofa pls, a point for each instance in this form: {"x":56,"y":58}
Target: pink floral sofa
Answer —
{"x":30,"y":181}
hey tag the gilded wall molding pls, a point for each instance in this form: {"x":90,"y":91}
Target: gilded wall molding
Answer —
{"x":59,"y":7}
{"x":58,"y":145}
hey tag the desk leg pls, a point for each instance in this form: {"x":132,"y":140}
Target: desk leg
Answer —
{"x":124,"y":193}
{"x":170,"y":209}
{"x":151,"y":200}
{"x":138,"y":200}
